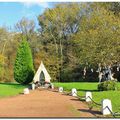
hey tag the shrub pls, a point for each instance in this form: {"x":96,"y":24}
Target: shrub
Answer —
{"x":107,"y":85}
{"x":23,"y":68}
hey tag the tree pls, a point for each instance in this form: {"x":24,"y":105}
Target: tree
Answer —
{"x":56,"y":27}
{"x":23,"y":68}
{"x":1,"y":66}
{"x":98,"y":41}
{"x":26,"y":27}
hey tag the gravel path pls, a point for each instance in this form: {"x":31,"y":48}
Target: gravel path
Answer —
{"x":43,"y":103}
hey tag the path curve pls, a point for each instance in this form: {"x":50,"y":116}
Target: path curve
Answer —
{"x":43,"y":103}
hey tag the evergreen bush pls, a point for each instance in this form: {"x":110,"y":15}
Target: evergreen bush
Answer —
{"x":107,"y":85}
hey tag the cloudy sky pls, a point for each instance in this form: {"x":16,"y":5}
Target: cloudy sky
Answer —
{"x":12,"y":12}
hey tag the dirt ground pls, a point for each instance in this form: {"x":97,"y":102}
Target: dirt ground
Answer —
{"x":44,"y":103}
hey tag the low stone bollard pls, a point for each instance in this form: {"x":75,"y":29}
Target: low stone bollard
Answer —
{"x":60,"y":89}
{"x":47,"y":85}
{"x":88,"y":96}
{"x":26,"y":91}
{"x":74,"y":92}
{"x":106,"y":107}
{"x":33,"y":86}
{"x":52,"y":86}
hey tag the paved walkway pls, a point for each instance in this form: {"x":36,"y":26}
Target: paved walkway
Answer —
{"x":43,"y":103}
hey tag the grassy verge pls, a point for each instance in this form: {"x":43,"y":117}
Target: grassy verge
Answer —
{"x":10,"y":89}
{"x":82,"y":87}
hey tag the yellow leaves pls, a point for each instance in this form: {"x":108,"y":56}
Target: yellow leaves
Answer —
{"x":93,"y":32}
{"x":99,"y":37}
{"x":1,"y":64}
{"x":62,"y":14}
{"x":2,"y":58}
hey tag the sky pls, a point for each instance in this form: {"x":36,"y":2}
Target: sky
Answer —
{"x":12,"y":12}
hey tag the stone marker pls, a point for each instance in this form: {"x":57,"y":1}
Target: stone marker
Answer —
{"x":106,"y":103}
{"x":52,"y":86}
{"x":88,"y":95}
{"x":33,"y":86}
{"x":74,"y":92}
{"x":60,"y":89}
{"x":26,"y":91}
{"x":47,"y":86}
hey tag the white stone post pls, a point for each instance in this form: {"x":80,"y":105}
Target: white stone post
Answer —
{"x":33,"y":86}
{"x":74,"y":92}
{"x":52,"y":86}
{"x":88,"y":96}
{"x":60,"y":89}
{"x":106,"y":107}
{"x":26,"y":91}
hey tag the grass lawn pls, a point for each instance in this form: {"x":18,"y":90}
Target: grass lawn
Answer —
{"x":82,"y":87}
{"x":10,"y":89}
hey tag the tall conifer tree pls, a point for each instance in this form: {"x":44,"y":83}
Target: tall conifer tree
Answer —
{"x":23,"y":68}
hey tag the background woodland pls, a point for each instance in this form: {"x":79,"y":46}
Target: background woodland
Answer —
{"x":70,"y":37}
